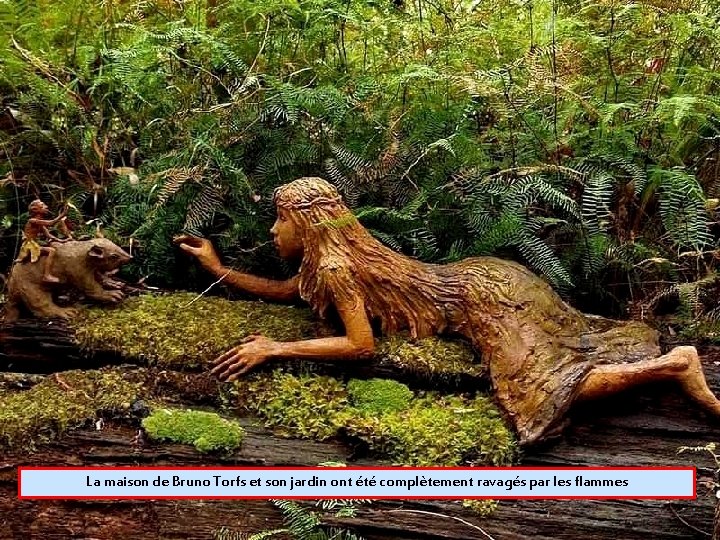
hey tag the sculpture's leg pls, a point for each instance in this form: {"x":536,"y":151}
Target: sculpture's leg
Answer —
{"x":682,"y":364}
{"x":24,"y":253}
{"x":47,"y":276}
{"x":41,"y":304}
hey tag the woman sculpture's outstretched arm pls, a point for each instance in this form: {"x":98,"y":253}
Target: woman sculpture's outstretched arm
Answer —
{"x":267,"y":289}
{"x":357,"y":342}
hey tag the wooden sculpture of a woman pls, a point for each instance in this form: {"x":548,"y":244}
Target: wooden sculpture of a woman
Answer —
{"x":542,"y":354}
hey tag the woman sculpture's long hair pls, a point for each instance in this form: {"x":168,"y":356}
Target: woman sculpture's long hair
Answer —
{"x":341,"y":260}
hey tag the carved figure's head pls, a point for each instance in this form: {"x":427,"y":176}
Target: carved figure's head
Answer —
{"x":310,"y":212}
{"x":38,"y":208}
{"x":106,"y":255}
{"x":342,"y":261}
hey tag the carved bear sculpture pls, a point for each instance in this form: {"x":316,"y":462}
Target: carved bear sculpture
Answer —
{"x":81,"y":265}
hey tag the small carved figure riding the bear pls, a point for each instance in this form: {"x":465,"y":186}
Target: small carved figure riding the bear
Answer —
{"x":36,"y":229}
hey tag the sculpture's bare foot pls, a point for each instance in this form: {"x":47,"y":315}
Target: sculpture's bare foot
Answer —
{"x":693,"y":379}
{"x":47,"y":278}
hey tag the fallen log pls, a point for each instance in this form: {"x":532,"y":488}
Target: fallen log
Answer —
{"x":633,"y":430}
{"x":512,"y":520}
{"x":183,"y":332}
{"x":646,"y":427}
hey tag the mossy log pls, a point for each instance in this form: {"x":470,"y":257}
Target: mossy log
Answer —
{"x":183,"y":332}
{"x":646,"y":427}
{"x":637,"y":430}
{"x":644,"y":434}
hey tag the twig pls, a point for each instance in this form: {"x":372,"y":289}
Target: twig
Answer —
{"x":693,"y":527}
{"x":208,"y":289}
{"x":61,"y":382}
{"x":253,"y":250}
{"x":45,"y":70}
{"x":451,"y":517}
{"x":224,"y":275}
{"x":260,"y":51}
{"x":199,"y":68}
{"x":529,"y":171}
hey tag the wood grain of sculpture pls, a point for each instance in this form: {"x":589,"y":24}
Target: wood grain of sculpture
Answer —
{"x":542,"y":354}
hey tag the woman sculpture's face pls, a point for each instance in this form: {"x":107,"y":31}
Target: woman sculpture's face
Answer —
{"x":286,"y":236}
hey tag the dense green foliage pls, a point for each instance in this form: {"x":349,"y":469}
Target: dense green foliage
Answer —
{"x":302,"y":523}
{"x":578,"y":137}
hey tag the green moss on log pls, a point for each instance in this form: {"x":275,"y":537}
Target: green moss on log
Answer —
{"x":482,"y":507}
{"x":422,"y":429}
{"x":306,"y":406}
{"x":206,"y":431}
{"x":438,"y":430}
{"x":180,"y":331}
{"x":432,"y":357}
{"x":379,"y":395}
{"x":63,"y":402}
{"x":430,"y":430}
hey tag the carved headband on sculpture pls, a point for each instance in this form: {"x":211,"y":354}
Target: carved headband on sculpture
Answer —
{"x":317,"y":201}
{"x":306,"y":193}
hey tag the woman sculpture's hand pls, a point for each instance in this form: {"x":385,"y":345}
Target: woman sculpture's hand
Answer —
{"x":252,"y":351}
{"x":200,"y":248}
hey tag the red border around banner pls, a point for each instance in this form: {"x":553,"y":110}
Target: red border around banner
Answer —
{"x":396,"y":497}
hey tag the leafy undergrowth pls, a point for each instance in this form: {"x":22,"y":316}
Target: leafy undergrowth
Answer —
{"x":422,"y":429}
{"x":206,"y":431}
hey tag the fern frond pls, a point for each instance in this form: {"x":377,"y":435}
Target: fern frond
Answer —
{"x":264,"y":535}
{"x":682,"y":208}
{"x":174,"y":179}
{"x":596,"y":201}
{"x":202,"y":209}
{"x":300,"y":521}
{"x":542,"y":259}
